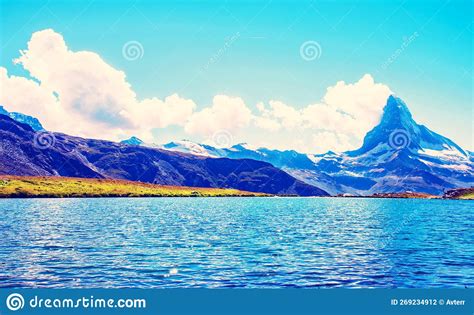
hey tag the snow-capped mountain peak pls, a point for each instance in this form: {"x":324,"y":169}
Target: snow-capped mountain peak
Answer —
{"x":398,"y":130}
{"x":187,"y":146}
{"x":397,"y":155}
{"x":132,"y":141}
{"x":33,"y":122}
{"x":243,"y":146}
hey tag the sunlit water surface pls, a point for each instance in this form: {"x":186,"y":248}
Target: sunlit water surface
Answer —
{"x":236,"y":242}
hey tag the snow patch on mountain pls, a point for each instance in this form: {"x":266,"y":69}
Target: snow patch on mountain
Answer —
{"x":397,"y":155}
{"x":33,"y":122}
{"x":186,"y":146}
{"x":132,"y":141}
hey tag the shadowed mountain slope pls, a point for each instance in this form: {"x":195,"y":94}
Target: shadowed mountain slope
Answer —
{"x":26,"y":152}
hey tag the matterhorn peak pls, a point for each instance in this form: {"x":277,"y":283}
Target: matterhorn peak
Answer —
{"x":396,"y":114}
{"x":398,"y":131}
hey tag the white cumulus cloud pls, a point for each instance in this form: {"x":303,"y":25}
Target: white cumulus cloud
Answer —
{"x":93,"y":98}
{"x":343,"y":116}
{"x":225,"y":113}
{"x":79,"y":93}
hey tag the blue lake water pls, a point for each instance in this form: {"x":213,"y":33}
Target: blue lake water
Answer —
{"x":236,"y":242}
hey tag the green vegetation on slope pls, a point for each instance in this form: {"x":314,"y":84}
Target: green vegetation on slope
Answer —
{"x":460,"y":193}
{"x":467,"y":196}
{"x":63,"y":187}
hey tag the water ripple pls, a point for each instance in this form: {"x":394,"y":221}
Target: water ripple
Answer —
{"x":236,"y":243}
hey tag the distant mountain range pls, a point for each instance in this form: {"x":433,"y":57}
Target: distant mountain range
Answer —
{"x":26,"y":152}
{"x":31,"y":121}
{"x":132,"y":141}
{"x":398,"y":155}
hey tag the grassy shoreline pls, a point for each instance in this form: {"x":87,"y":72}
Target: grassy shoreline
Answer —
{"x":70,"y":187}
{"x":460,"y":193}
{"x":73,"y":187}
{"x":454,"y":194}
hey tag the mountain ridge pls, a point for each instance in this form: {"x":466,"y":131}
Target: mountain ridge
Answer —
{"x":31,"y":121}
{"x":397,"y":117}
{"x":132,"y":141}
{"x":397,"y":155}
{"x":26,"y":152}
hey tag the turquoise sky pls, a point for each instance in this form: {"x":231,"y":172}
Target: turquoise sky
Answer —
{"x":433,"y":73}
